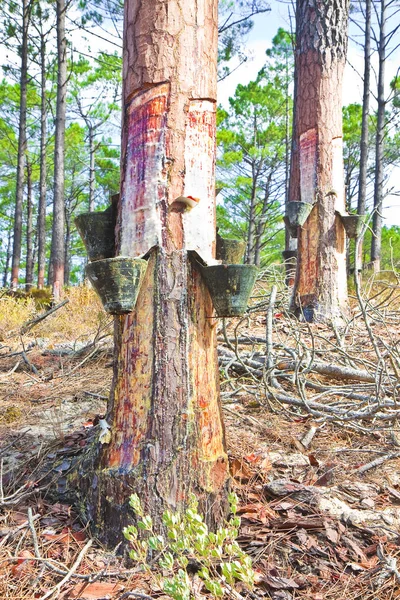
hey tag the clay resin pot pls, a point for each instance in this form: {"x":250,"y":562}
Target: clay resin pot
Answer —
{"x":296,"y":215}
{"x":97,"y":232}
{"x":353,"y":225}
{"x":230,"y":251}
{"x":117,"y":281}
{"x":230,"y":287}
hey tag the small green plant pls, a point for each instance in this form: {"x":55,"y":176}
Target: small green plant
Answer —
{"x":217,"y":557}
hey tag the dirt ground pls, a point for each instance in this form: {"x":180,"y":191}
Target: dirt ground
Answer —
{"x":319,"y":518}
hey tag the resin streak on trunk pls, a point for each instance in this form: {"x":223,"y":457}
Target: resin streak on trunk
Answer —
{"x":167,"y":436}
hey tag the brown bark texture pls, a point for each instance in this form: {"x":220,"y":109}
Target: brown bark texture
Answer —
{"x":320,"y":290}
{"x":376,"y":241}
{"x":167,"y":435}
{"x":29,"y":230}
{"x":43,"y":167}
{"x":57,"y":248}
{"x":16,"y":254}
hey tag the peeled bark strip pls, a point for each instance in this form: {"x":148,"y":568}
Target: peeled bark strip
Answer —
{"x":167,"y":436}
{"x":320,"y":291}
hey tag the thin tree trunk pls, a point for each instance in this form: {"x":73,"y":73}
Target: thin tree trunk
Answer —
{"x":43,"y":168}
{"x":8,"y":257}
{"x":167,"y":436}
{"x":379,"y":146}
{"x":260,"y":227}
{"x":57,"y":250}
{"x":290,"y":252}
{"x":67,"y":246}
{"x":364,"y":143}
{"x":29,"y":230}
{"x":320,"y":291}
{"x":16,"y":256}
{"x":91,"y":169}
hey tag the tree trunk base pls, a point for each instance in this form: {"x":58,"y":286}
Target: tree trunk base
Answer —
{"x":103,"y":497}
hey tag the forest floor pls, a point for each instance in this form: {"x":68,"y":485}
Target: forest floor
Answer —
{"x":312,"y":417}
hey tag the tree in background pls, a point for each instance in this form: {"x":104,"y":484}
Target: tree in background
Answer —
{"x":253,"y":139}
{"x":95,"y":98}
{"x":251,"y":167}
{"x":21,"y":32}
{"x":320,"y":290}
{"x":57,"y":239}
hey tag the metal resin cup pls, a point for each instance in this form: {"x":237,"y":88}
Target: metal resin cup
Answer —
{"x":230,"y":287}
{"x":353,"y":225}
{"x":230,"y":251}
{"x":296,"y":215}
{"x":117,"y":281}
{"x":97,"y":232}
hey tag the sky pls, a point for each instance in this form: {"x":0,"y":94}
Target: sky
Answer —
{"x":265,"y":28}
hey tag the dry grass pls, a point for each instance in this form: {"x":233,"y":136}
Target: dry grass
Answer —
{"x":14,"y":313}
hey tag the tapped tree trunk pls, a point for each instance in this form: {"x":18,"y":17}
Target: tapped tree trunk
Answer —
{"x":57,"y":248}
{"x":379,"y":145}
{"x":41,"y":234}
{"x":167,"y":435}
{"x":16,"y":255}
{"x":320,"y":290}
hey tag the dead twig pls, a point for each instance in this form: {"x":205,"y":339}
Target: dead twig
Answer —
{"x":377,"y":462}
{"x":57,"y":588}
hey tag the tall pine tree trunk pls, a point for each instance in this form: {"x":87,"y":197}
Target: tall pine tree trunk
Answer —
{"x":364,"y":143}
{"x":16,"y":255}
{"x":91,"y":169}
{"x":167,"y":436}
{"x":67,"y":247}
{"x":57,"y":249}
{"x":320,"y":291}
{"x":41,"y":234}
{"x":29,"y":230}
{"x":379,"y":145}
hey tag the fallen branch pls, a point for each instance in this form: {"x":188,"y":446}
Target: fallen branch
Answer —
{"x":378,"y":461}
{"x":338,"y":372}
{"x":33,"y":322}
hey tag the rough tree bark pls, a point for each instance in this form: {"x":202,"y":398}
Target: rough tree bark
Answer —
{"x":16,"y":255}
{"x":379,"y":144}
{"x":320,"y":290}
{"x":57,"y":247}
{"x":92,"y":151}
{"x":29,"y":229}
{"x":43,"y":166}
{"x":8,"y":257}
{"x":364,"y":142}
{"x":167,"y":436}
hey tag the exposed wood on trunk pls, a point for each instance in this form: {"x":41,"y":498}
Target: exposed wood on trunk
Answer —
{"x":317,"y":163}
{"x":167,"y":437}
